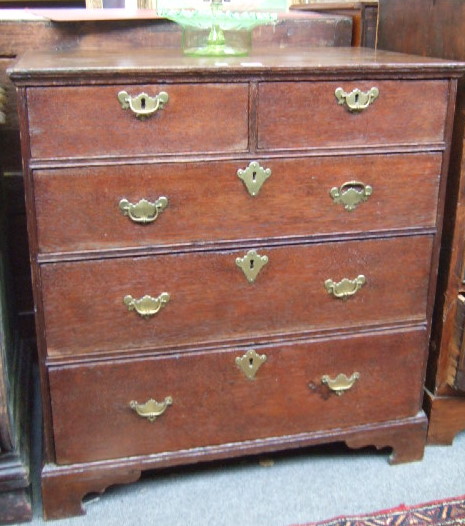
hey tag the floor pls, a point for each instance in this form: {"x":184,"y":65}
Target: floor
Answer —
{"x":278,"y":490}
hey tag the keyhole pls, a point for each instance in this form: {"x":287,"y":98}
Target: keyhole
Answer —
{"x":142,"y":103}
{"x":252,"y":263}
{"x":356,"y":97}
{"x":254,"y":176}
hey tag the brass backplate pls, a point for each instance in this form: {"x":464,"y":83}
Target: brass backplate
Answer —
{"x":253,"y":177}
{"x":351,"y":194}
{"x":346,"y":287}
{"x":250,"y":363}
{"x":147,"y":306}
{"x":341,"y":383}
{"x":143,"y":212}
{"x":151,"y":409}
{"x":357,"y":100}
{"x":251,"y":264}
{"x":143,"y":105}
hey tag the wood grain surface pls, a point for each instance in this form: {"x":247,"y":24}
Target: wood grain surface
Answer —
{"x":214,"y":403}
{"x":89,"y":121}
{"x":211,"y":299}
{"x":312,"y":117}
{"x":77,"y":209}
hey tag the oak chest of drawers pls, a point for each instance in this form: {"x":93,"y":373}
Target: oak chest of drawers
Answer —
{"x":229,"y":256}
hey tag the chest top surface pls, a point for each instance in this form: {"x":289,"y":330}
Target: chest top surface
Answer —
{"x":76,"y":66}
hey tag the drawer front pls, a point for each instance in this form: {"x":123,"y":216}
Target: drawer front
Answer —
{"x":90,"y":121}
{"x":296,"y":115}
{"x":78,"y":209}
{"x":213,"y":402}
{"x":211,"y":299}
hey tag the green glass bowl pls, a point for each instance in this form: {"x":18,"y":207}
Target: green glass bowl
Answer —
{"x":217,"y":33}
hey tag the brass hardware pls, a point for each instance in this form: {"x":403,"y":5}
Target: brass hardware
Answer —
{"x":144,"y":211}
{"x":251,"y":264}
{"x":143,"y":105}
{"x":345,"y":288}
{"x":152,"y":409}
{"x":147,"y":306}
{"x":250,"y":363}
{"x":253,"y":177}
{"x":341,"y":383}
{"x":351,"y":194}
{"x":356,"y":100}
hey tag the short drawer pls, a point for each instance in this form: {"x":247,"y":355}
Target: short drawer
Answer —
{"x":301,"y":115}
{"x":207,"y":399}
{"x":90,"y":121}
{"x":98,"y":208}
{"x":92,"y":306}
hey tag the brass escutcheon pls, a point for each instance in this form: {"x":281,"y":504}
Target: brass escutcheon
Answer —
{"x":143,"y":105}
{"x":147,"y":305}
{"x":152,"y":409}
{"x":253,"y":177}
{"x":346,"y":287}
{"x":357,"y":100}
{"x":251,"y":264}
{"x":341,"y":383}
{"x":351,"y":194}
{"x":250,"y":363}
{"x":144,"y":211}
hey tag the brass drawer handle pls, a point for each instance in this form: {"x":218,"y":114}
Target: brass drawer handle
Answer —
{"x":144,"y":211}
{"x":147,"y":305}
{"x":351,"y":194}
{"x":143,"y":105}
{"x":152,"y":409}
{"x":253,"y":177}
{"x":250,"y":363}
{"x":251,"y":264}
{"x":341,"y":383}
{"x":357,"y":100}
{"x":345,"y":288}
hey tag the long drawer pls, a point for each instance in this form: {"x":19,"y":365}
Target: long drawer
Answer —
{"x":90,"y":120}
{"x":207,"y":399}
{"x":79,"y":209}
{"x":98,"y":306}
{"x":300,"y":115}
